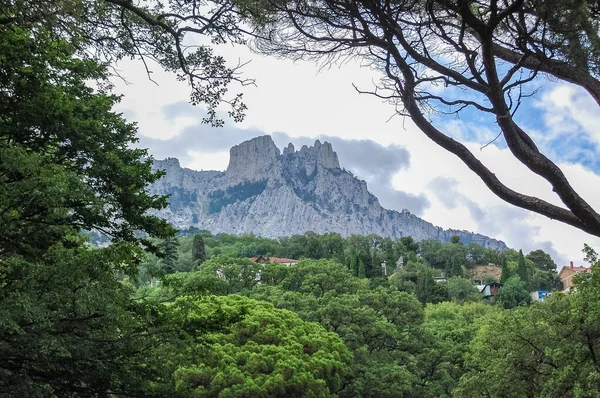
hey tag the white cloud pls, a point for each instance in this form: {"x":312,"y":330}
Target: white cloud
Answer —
{"x":208,"y":161}
{"x":567,"y":109}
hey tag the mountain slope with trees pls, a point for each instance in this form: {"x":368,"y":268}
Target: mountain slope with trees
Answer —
{"x":274,"y":194}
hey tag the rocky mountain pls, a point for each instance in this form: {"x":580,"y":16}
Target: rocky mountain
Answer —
{"x":274,"y":194}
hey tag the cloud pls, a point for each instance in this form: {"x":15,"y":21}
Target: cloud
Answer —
{"x":195,"y":139}
{"x":571,"y":121}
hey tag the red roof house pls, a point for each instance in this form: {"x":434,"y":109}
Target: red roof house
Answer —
{"x":566,"y":275}
{"x":278,"y":260}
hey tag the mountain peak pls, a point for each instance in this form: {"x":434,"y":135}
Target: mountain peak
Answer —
{"x":252,"y":160}
{"x":318,"y":154}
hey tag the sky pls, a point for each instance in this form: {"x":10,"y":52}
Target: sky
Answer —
{"x":299,"y":102}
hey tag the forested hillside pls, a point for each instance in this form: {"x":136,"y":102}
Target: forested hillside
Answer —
{"x":367,"y":257}
{"x":403,"y":336}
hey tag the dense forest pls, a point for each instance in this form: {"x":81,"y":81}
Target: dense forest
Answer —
{"x":152,"y":314}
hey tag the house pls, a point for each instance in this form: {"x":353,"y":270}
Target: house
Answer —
{"x":539,"y":295}
{"x":278,"y":260}
{"x":490,"y":289}
{"x":566,"y":275}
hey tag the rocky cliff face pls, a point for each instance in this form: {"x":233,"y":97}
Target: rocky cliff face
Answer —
{"x":274,"y":194}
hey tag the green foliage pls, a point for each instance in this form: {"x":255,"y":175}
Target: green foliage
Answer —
{"x":233,"y":275}
{"x":409,"y":244}
{"x":513,"y":293}
{"x":68,"y":326}
{"x":522,"y":270}
{"x":451,"y":257}
{"x":545,"y":280}
{"x":542,"y":260}
{"x":591,"y":256}
{"x":479,"y":255}
{"x":318,"y":278}
{"x":198,"y":250}
{"x":170,"y":253}
{"x":449,"y":330}
{"x":65,"y":151}
{"x":506,"y":272}
{"x":353,"y":263}
{"x":417,"y":278}
{"x":462,"y":290}
{"x":361,"y":269}
{"x":266,"y":352}
{"x":314,"y":247}
{"x":545,"y":350}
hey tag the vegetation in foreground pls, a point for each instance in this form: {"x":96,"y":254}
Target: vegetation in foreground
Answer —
{"x":79,"y":321}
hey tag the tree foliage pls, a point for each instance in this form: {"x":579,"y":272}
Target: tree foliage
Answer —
{"x":513,"y":293}
{"x":66,"y":163}
{"x":198,"y":249}
{"x":266,"y":352}
{"x":157,"y":35}
{"x":540,"y":350}
{"x":68,"y":324}
{"x":542,"y":260}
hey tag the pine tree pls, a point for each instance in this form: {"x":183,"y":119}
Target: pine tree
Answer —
{"x":361,"y":269}
{"x":198,"y":249}
{"x":353,"y":264}
{"x":522,"y":271}
{"x":505,"y":270}
{"x":170,"y":252}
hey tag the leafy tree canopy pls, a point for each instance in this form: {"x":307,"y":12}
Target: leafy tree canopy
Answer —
{"x":267,"y":352}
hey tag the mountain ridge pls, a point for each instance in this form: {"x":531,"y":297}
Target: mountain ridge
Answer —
{"x":272,"y":193}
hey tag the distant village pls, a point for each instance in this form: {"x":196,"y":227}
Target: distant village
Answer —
{"x":487,"y":290}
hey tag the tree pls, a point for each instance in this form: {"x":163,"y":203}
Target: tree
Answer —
{"x":498,"y":49}
{"x":229,"y":275}
{"x":545,"y":280}
{"x":409,"y":243}
{"x":542,"y":260}
{"x":522,"y":270}
{"x":66,"y":163}
{"x":318,"y":277}
{"x":417,"y":278}
{"x":69,"y":326}
{"x":170,"y":254}
{"x":361,"y":269}
{"x":314,"y":247}
{"x":450,"y":330}
{"x":590,"y":254}
{"x":353,"y":264}
{"x":536,"y":346}
{"x":462,"y":290}
{"x":513,"y":293}
{"x":506,"y":274}
{"x":198,"y":249}
{"x":156,"y":35}
{"x":264,"y":352}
